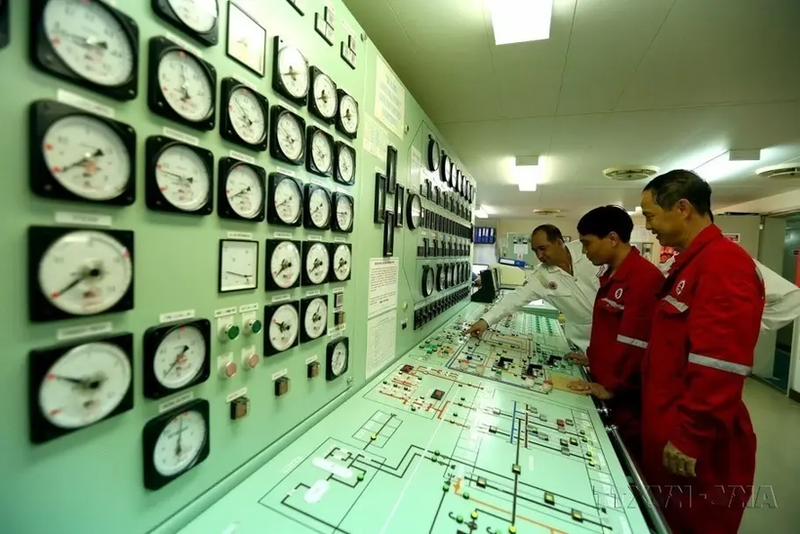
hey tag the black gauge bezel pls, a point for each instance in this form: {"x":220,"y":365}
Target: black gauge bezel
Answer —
{"x":274,"y":146}
{"x":154,"y":198}
{"x":388,"y":235}
{"x":277,"y":82}
{"x":153,"y":336}
{"x":219,"y":271}
{"x":441,"y":282}
{"x":305,"y":280}
{"x":269,"y":280}
{"x":332,"y":275}
{"x":311,"y":166}
{"x":308,"y":222}
{"x":434,"y":152}
{"x":275,"y":179}
{"x":305,"y":337}
{"x":335,"y":220}
{"x":341,"y":93}
{"x":4,"y":23}
{"x":166,"y":13}
{"x":444,"y":164}
{"x":337,"y":177}
{"x":329,"y":376}
{"x":224,"y":208}
{"x":391,"y":169}
{"x":427,"y":271}
{"x":269,"y":312}
{"x":413,"y":199}
{"x":379,"y":212}
{"x":399,"y":205}
{"x":226,"y":129}
{"x":312,"y":102}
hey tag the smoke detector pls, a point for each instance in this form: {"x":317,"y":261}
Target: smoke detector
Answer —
{"x":630,"y":173}
{"x":782,"y":171}
{"x":547,"y":212}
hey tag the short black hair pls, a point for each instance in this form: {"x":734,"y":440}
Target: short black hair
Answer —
{"x":604,"y":220}
{"x":550,"y":230}
{"x":671,"y":187}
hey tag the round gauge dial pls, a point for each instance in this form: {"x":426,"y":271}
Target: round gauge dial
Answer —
{"x":341,"y":262}
{"x":87,"y":157}
{"x":451,"y":275}
{"x":293,"y":71}
{"x":457,"y":180}
{"x":441,"y":278}
{"x":433,"y":155}
{"x":180,"y":443}
{"x":186,"y":86}
{"x":247,"y":116}
{"x":288,"y":201}
{"x":322,"y":152}
{"x":325,"y":97}
{"x":90,"y":40}
{"x":346,"y":164}
{"x":199,"y":15}
{"x":339,"y":359}
{"x":244,"y":191}
{"x":447,"y":168}
{"x":348,"y":113}
{"x":183,"y":178}
{"x":344,"y":212}
{"x":427,"y":281}
{"x":85,"y":272}
{"x":283,"y":327}
{"x":319,"y":205}
{"x":290,"y":136}
{"x":414,"y":212}
{"x":285,"y":264}
{"x":316,"y":318}
{"x":317,"y":263}
{"x":85,"y":385}
{"x":179,"y":357}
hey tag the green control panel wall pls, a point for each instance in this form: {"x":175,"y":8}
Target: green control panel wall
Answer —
{"x":188,"y":219}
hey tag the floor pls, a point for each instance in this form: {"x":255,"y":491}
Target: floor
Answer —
{"x":776,"y":503}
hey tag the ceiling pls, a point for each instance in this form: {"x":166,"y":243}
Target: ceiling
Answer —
{"x":671,"y":83}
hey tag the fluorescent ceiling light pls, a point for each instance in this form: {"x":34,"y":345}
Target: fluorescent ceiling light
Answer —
{"x":728,"y":164}
{"x":480,"y":213}
{"x":527,"y":172}
{"x":519,"y":21}
{"x":486,"y":209}
{"x":636,"y":211}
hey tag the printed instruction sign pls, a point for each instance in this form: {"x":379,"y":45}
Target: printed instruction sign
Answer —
{"x":383,"y":274}
{"x":376,"y":138}
{"x":390,"y":99}
{"x":381,"y":342}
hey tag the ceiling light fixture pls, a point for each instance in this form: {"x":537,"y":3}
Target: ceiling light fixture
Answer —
{"x":528,"y":172}
{"x":727,"y":164}
{"x":519,"y":21}
{"x":480,"y":213}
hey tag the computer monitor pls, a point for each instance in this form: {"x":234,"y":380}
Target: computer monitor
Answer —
{"x":496,"y":276}
{"x":478,"y":268}
{"x":487,"y":293}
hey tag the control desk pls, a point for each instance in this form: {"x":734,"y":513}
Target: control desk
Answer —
{"x":458,"y":436}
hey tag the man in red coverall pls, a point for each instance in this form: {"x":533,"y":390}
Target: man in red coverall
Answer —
{"x":621,"y":318}
{"x":698,"y":445}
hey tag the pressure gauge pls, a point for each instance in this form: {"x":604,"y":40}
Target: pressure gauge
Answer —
{"x":413,"y":211}
{"x":243,"y":119}
{"x":79,"y":272}
{"x":241,"y":190}
{"x":345,"y":164}
{"x":433,"y":154}
{"x":238,"y":265}
{"x":347,"y":118}
{"x":315,"y":317}
{"x":284,"y":201}
{"x":89,"y":43}
{"x":338,"y":358}
{"x":441,"y":278}
{"x":196,"y":17}
{"x":283,"y":262}
{"x":182,"y":87}
{"x":174,"y":443}
{"x":284,"y":328}
{"x":451,"y":275}
{"x":290,"y":76}
{"x":324,"y":100}
{"x":317,"y":213}
{"x":445,"y":168}
{"x":179,"y":177}
{"x":288,"y":140}
{"x":343,"y":204}
{"x":316,"y":263}
{"x":320,"y":158}
{"x":77,"y":385}
{"x":176,"y":356}
{"x":340,"y":262}
{"x":427,"y":281}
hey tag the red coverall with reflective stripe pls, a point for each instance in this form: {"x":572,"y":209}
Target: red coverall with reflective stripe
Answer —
{"x":700,"y":352}
{"x":621,"y":320}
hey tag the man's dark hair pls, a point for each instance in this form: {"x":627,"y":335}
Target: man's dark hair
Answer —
{"x":602,"y":221}
{"x":550,"y":230}
{"x":673,"y":186}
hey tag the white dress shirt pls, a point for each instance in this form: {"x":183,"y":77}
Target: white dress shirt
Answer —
{"x":572,"y":294}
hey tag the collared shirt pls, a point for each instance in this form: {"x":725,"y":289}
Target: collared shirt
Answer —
{"x":573,"y":294}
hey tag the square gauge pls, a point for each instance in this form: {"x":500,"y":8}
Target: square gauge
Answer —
{"x":238,"y":265}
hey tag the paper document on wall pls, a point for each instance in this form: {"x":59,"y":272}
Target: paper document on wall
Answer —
{"x":390,"y":99}
{"x":381,"y":342}
{"x":415,"y":174}
{"x":382,"y":285}
{"x":376,"y":138}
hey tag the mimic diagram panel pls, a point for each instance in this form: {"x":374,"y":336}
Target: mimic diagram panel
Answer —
{"x":424,"y":448}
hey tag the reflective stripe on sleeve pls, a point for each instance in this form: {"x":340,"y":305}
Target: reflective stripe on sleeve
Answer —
{"x":679,"y":305}
{"x":633,"y":342}
{"x":613,"y":304}
{"x":722,"y":365}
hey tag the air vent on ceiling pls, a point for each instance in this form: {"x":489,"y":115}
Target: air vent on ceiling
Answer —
{"x":547,"y":212}
{"x":783,"y":171}
{"x":630,"y":173}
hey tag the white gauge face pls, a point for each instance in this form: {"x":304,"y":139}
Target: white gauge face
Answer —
{"x":442,"y":277}
{"x":283,"y":327}
{"x":185,"y":85}
{"x":317,"y":263}
{"x":293,"y":71}
{"x":238,"y":265}
{"x":199,"y":15}
{"x":325,"y":95}
{"x":84,"y":272}
{"x":87,"y":37}
{"x":248,"y":117}
{"x":183,"y":178}
{"x":341,"y":262}
{"x":347,"y":165}
{"x":180,"y":356}
{"x":319,"y":204}
{"x":339,"y":359}
{"x":348,"y":111}
{"x":85,"y":385}
{"x":316,"y":318}
{"x":180,"y":443}
{"x":344,"y":212}
{"x":290,"y":136}
{"x":322,"y":152}
{"x":285,"y":264}
{"x":415,"y":207}
{"x":428,"y":281}
{"x":87,"y":157}
{"x":244,"y":191}
{"x":448,"y":168}
{"x":288,"y":201}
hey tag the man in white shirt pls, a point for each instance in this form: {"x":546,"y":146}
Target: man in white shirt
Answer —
{"x":565,"y":278}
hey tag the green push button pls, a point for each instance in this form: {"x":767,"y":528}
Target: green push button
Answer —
{"x":436,"y":453}
{"x":466,"y":495}
{"x":233,"y":332}
{"x":446,"y":487}
{"x":460,"y":519}
{"x":361,"y":476}
{"x":256,"y":326}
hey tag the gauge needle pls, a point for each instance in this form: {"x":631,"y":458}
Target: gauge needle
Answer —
{"x":244,"y":113}
{"x":317,"y":264}
{"x":88,"y":383}
{"x":243,"y":191}
{"x":89,"y":273}
{"x":178,"y":358}
{"x":283,"y":327}
{"x":81,"y":162}
{"x":178,"y":176}
{"x":288,"y":199}
{"x":178,"y":449}
{"x":238,"y":274}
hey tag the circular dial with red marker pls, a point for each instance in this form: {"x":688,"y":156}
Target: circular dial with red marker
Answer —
{"x":283,"y":327}
{"x":85,"y":385}
{"x":180,"y":357}
{"x":183,"y":178}
{"x":248,"y":117}
{"x":180,"y":443}
{"x":244,"y":191}
{"x":186,"y":86}
{"x":285,"y":264}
